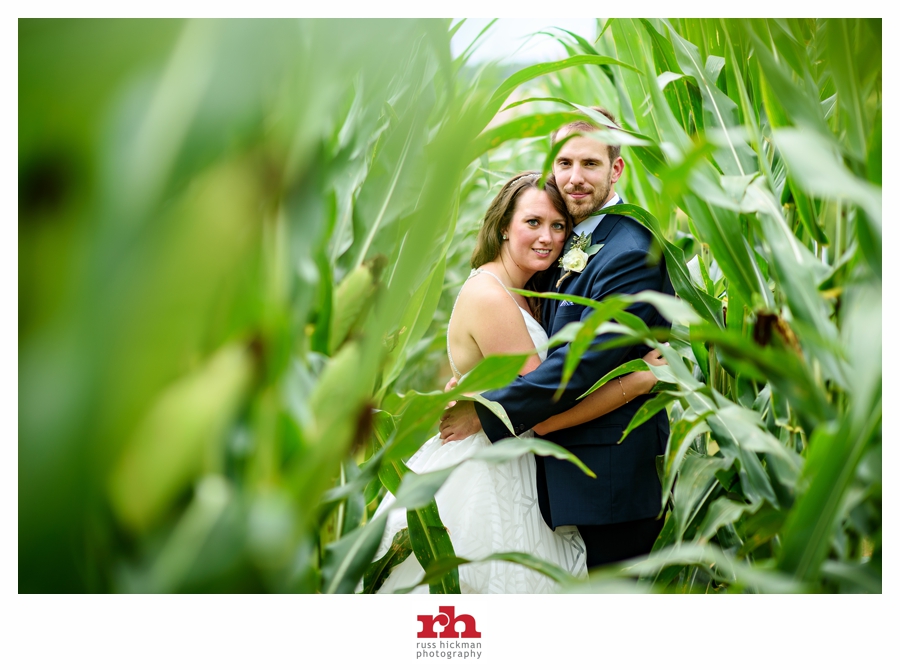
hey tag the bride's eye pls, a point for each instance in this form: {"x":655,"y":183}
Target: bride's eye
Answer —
{"x":559,"y":226}
{"x":533,"y":222}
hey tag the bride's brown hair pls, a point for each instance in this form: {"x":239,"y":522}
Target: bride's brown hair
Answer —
{"x":496,"y":223}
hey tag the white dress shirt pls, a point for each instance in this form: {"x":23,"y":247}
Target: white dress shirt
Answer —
{"x":590,"y":224}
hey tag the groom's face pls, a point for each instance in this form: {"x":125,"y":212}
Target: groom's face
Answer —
{"x":585,"y":175}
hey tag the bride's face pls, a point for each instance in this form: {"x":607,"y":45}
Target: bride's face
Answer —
{"x":536,"y":233}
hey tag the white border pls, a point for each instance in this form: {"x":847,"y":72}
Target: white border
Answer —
{"x":529,"y":631}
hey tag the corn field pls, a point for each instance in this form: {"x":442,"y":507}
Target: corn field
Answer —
{"x":240,"y":242}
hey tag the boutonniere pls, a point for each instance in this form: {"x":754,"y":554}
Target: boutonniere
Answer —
{"x":576,"y":258}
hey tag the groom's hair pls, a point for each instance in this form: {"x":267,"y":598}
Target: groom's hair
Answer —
{"x":589,"y":127}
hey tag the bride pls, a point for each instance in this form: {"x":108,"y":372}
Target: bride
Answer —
{"x":492,"y":507}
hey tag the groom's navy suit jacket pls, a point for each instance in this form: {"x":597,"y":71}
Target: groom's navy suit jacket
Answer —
{"x":627,"y":487}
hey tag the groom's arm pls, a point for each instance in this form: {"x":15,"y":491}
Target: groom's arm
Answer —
{"x":529,"y":399}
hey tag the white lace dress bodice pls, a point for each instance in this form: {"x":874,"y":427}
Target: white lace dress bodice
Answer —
{"x":487,"y":508}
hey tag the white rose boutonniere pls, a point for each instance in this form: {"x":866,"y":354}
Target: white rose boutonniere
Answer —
{"x":576,"y":258}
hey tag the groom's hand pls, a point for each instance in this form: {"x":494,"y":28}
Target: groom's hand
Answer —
{"x":459,"y":422}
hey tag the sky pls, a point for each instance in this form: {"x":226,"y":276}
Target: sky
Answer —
{"x":511,"y":40}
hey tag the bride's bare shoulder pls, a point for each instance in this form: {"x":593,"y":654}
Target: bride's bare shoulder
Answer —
{"x":484,"y":292}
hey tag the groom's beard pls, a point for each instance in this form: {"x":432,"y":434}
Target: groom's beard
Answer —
{"x":582,"y":209}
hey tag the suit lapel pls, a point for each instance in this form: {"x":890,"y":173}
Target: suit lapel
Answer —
{"x":603,"y":229}
{"x":601,"y":232}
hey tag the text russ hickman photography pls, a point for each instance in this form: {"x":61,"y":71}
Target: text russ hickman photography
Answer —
{"x":448,"y":635}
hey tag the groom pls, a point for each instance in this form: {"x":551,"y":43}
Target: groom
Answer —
{"x":616,"y":512}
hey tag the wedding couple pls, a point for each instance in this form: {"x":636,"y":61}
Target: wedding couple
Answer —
{"x":545,"y":506}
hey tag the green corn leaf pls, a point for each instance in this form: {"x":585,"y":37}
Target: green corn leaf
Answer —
{"x":720,"y":228}
{"x":421,"y":410}
{"x":583,"y":43}
{"x":431,"y":542}
{"x":704,"y":304}
{"x":439,"y":569}
{"x":428,"y":536}
{"x":723,"y":511}
{"x":347,"y":560}
{"x":833,"y":457}
{"x":839,"y":47}
{"x":720,"y":566}
{"x":467,"y":53}
{"x":682,"y":434}
{"x":510,"y":448}
{"x":525,"y":101}
{"x":379,"y":571}
{"x":806,"y":210}
{"x":720,"y":111}
{"x":535,"y":125}
{"x":647,"y":411}
{"x":625,"y":368}
{"x":819,"y":171}
{"x":695,"y":484}
{"x":854,"y":578}
{"x":755,"y":482}
{"x":534,"y":71}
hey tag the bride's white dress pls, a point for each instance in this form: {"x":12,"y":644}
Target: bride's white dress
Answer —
{"x":487,"y":508}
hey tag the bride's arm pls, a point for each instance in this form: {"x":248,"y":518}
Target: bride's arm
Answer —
{"x":605,"y":399}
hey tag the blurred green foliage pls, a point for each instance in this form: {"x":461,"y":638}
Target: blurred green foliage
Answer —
{"x":239,"y":244}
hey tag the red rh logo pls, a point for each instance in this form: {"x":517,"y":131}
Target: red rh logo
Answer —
{"x":448,"y":620}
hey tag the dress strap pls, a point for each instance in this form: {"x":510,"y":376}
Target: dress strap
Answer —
{"x":456,"y":372}
{"x":478,"y":271}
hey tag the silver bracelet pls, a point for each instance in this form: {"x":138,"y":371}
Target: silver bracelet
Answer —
{"x":623,"y":390}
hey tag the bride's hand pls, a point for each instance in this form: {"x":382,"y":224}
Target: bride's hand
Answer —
{"x":653,"y":357}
